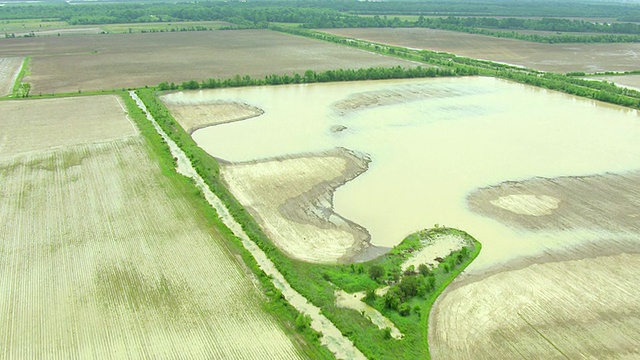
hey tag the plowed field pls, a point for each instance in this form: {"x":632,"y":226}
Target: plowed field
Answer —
{"x":96,"y":62}
{"x":547,"y":57}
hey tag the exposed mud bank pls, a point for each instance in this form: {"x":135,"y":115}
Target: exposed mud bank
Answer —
{"x":291,"y":197}
{"x":194,"y":113}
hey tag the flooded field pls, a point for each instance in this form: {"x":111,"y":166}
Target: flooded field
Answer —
{"x":432,"y":143}
{"x":544,"y":180}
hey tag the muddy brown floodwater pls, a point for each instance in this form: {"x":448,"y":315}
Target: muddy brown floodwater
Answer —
{"x":431,"y":143}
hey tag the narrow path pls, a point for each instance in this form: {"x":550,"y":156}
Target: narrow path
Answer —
{"x":332,"y":338}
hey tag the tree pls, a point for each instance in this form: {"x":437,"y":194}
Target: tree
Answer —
{"x":370,"y":295}
{"x":464,"y":251}
{"x":424,"y":270}
{"x":309,"y":76}
{"x":411,"y":270}
{"x":376,"y":272}
{"x":25,"y":88}
{"x":404,"y":309}
{"x":190,"y":85}
{"x":303,"y":321}
{"x":431,"y":283}
{"x":409,"y":286}
{"x":392,"y":298}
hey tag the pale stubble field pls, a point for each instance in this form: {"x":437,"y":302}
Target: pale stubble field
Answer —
{"x":9,"y":68}
{"x":102,"y":256}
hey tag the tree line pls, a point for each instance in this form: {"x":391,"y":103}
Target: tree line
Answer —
{"x":337,"y":14}
{"x":310,"y":76}
{"x":188,"y":11}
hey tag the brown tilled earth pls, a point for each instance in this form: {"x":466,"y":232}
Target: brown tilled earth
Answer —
{"x":113,"y":61}
{"x":547,"y":57}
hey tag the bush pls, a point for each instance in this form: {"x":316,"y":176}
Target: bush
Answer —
{"x":303,"y":321}
{"x":376,"y":272}
{"x":370,"y":296}
{"x":404,"y":309}
{"x":392,"y":298}
{"x":424,"y":270}
{"x":417,"y":309}
{"x":409,"y":286}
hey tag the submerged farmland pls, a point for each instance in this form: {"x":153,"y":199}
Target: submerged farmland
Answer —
{"x":481,"y":154}
{"x":430,"y":144}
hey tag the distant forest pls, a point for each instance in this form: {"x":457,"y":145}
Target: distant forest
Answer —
{"x":622,"y":22}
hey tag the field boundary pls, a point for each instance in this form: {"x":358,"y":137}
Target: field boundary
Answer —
{"x":21,"y":89}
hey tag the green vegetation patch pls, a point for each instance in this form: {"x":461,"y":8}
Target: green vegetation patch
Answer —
{"x":20,"y":89}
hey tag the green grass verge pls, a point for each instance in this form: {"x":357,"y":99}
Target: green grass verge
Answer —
{"x":318,"y":282}
{"x":305,"y":338}
{"x":19,"y":89}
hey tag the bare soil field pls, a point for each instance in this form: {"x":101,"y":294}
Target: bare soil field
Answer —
{"x":195,"y":115}
{"x":547,"y":57}
{"x":576,"y":302}
{"x":103,"y":257}
{"x":95,"y":62}
{"x":630,"y":81}
{"x":544,"y":311}
{"x":9,"y":69}
{"x":292,"y":200}
{"x":38,"y":125}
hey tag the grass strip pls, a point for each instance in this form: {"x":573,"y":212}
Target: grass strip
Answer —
{"x":305,"y":338}
{"x":19,"y":89}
